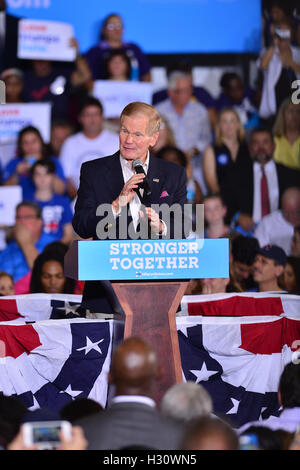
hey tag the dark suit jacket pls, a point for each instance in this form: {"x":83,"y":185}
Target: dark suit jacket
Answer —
{"x":131,"y":424}
{"x":240,"y":197}
{"x":11,"y":42}
{"x":101,"y":182}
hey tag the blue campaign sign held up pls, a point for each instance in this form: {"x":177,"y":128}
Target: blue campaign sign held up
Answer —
{"x":153,"y":259}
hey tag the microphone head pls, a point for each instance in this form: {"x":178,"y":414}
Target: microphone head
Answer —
{"x":136,"y":163}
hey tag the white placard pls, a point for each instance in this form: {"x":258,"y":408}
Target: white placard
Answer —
{"x":115,"y":95}
{"x":15,"y":116}
{"x":45,"y":40}
{"x":10,"y":196}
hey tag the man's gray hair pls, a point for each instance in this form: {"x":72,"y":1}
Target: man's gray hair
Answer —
{"x":176,"y":75}
{"x":186,"y":401}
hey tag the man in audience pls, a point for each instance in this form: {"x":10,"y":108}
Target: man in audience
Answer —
{"x":91,"y":142}
{"x":208,"y":433}
{"x":199,"y":93}
{"x":132,"y":419}
{"x":60,"y":131}
{"x":243,"y":252}
{"x":278,"y":227}
{"x":268,"y":266}
{"x":28,"y":241}
{"x":186,"y":401}
{"x":187,"y":118}
{"x":289,"y":399}
{"x":258,"y":190}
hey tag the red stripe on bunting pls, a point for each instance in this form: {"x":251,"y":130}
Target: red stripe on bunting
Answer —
{"x":269,"y":338}
{"x":237,"y":306}
{"x":9,"y":310}
{"x":17,"y":339}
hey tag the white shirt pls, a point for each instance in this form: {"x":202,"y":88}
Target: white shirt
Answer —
{"x":78,"y":149}
{"x":134,"y":399}
{"x":275,"y":230}
{"x":273,"y":188}
{"x":135,"y":204}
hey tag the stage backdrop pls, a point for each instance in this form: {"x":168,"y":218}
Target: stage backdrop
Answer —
{"x":159,"y":26}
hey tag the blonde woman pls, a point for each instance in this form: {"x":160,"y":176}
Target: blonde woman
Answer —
{"x":228,"y":152}
{"x":286,"y":133}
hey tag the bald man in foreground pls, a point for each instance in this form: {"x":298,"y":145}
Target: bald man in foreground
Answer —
{"x":132,"y":420}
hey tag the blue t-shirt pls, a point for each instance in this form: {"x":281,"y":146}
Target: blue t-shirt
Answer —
{"x":13,"y":261}
{"x":25,"y":181}
{"x":55,"y":213}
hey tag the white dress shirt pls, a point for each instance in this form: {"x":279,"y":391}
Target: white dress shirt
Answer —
{"x":135,"y":204}
{"x":134,"y":399}
{"x":273,"y":188}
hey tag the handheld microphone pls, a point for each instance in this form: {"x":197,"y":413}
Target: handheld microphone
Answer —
{"x":138,"y":167}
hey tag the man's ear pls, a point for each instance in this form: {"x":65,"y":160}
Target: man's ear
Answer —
{"x":279,"y":270}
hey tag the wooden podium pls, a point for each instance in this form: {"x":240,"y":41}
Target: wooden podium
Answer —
{"x":149,"y":306}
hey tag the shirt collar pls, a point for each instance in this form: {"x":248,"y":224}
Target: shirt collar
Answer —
{"x":126,"y":165}
{"x":134,"y":399}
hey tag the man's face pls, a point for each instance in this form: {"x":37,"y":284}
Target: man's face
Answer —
{"x":27,"y":217}
{"x":91,"y":120}
{"x":236,"y":90}
{"x":58,"y":136}
{"x":135,"y":138}
{"x":291,"y":210}
{"x":182,"y":93}
{"x":265,"y":270}
{"x":261,"y":147}
{"x":214,"y":285}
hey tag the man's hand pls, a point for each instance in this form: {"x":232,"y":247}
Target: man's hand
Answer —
{"x":23,"y":235}
{"x":128,"y":191}
{"x":77,"y":442}
{"x":154,"y":220}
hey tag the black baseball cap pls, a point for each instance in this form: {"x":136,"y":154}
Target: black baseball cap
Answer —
{"x":274,"y":252}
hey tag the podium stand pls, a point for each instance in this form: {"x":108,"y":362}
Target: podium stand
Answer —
{"x":149,"y":306}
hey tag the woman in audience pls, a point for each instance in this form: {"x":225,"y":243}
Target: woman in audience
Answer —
{"x":286,"y":132}
{"x":13,"y":79}
{"x":6,"y":284}
{"x":228,"y":153}
{"x":291,"y":275}
{"x":30,"y":148}
{"x":112,"y":38}
{"x":214,"y":215}
{"x":48,"y":274}
{"x":117,"y":66}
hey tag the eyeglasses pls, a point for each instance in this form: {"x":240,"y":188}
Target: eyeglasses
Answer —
{"x":26,"y":217}
{"x":112,"y":26}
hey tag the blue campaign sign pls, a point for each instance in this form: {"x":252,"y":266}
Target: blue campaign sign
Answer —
{"x":153,"y":259}
{"x":158,"y":26}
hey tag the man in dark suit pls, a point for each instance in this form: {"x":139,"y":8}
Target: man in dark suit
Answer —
{"x":8,"y":38}
{"x":244,"y":199}
{"x":132,"y":420}
{"x":111,"y":191}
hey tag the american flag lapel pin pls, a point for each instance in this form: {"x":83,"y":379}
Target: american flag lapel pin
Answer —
{"x":156,"y":180}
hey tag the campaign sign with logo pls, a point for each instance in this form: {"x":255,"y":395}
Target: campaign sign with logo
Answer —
{"x":115,"y":95}
{"x":45,"y":40}
{"x":15,"y":116}
{"x":153,"y":259}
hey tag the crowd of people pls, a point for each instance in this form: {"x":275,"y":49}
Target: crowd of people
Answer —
{"x":185,"y":420}
{"x":240,"y":153}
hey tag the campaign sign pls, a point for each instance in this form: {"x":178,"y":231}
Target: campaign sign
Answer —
{"x":153,"y":259}
{"x":15,"y":116}
{"x":115,"y":95}
{"x":10,"y":196}
{"x":45,"y":40}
